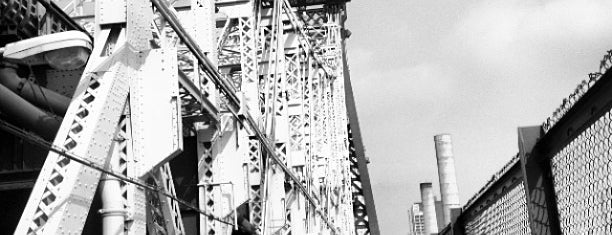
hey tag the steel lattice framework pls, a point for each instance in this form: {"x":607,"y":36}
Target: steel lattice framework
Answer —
{"x":262,"y":85}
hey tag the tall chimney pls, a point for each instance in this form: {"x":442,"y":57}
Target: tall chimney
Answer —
{"x":446,"y":174}
{"x":429,"y":209}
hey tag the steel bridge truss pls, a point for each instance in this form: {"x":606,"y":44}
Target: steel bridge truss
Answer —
{"x":264,"y":87}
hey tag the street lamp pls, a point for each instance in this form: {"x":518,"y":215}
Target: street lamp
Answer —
{"x":63,"y":51}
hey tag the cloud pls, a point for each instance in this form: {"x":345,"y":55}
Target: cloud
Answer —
{"x":412,"y":84}
{"x":499,"y":33}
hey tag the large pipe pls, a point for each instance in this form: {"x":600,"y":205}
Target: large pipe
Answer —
{"x":39,"y":96}
{"x":446,"y":174}
{"x":429,"y":208}
{"x":28,"y":115}
{"x":113,"y":212}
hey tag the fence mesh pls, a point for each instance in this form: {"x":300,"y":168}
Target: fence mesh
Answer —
{"x":507,"y":215}
{"x":582,"y":176}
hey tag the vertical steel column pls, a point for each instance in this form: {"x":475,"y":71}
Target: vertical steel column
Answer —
{"x":366,"y":221}
{"x":336,"y":131}
{"x":276,"y":125}
{"x":295,"y":110}
{"x":250,"y":90}
{"x":155,"y":121}
{"x":308,"y":129}
{"x":317,"y":162}
{"x":429,"y":208}
{"x":134,"y":196}
{"x":446,"y":174}
{"x":202,"y":17}
{"x":205,"y":176}
{"x":537,"y":178}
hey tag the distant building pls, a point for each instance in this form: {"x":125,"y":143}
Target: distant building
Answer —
{"x":417,"y":222}
{"x":416,"y":219}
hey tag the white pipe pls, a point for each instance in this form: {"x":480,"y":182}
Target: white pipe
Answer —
{"x":113,"y":212}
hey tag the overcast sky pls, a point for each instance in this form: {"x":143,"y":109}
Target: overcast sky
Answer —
{"x":475,"y":69}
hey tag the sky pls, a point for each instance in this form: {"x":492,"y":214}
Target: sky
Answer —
{"x":475,"y":69}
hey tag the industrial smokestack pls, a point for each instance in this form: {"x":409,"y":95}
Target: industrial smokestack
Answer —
{"x":429,"y":208}
{"x":446,"y":174}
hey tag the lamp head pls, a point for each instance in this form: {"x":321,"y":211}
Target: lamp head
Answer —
{"x":65,"y":50}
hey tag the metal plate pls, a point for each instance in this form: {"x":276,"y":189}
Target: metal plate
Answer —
{"x":139,"y":20}
{"x":111,"y":11}
{"x":154,"y":108}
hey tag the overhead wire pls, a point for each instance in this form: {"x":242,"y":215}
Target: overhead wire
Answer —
{"x":36,"y":140}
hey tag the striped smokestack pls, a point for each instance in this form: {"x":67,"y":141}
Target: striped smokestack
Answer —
{"x":446,"y":174}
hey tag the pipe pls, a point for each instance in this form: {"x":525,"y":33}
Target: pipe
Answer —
{"x":28,"y":115}
{"x":39,"y":96}
{"x":113,"y":212}
{"x":429,"y":209}
{"x":446,"y":174}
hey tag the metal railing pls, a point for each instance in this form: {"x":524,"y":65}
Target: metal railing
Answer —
{"x":561,"y":180}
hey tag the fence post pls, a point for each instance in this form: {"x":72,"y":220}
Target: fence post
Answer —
{"x":537,"y":177}
{"x":457,"y":221}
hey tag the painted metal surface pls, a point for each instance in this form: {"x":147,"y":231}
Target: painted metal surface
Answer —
{"x":279,"y":122}
{"x":63,"y":192}
{"x":155,"y":111}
